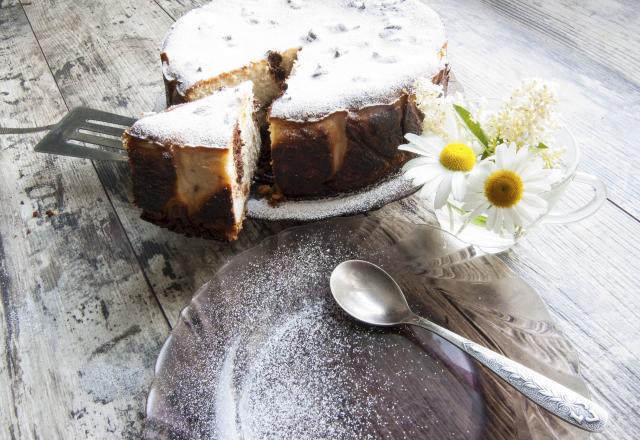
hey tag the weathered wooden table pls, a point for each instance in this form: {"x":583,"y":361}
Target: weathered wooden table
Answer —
{"x":89,"y":291}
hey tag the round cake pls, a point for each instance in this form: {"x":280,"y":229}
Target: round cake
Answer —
{"x":333,"y":81}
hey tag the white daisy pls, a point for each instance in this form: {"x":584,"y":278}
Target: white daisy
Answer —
{"x":507,"y":188}
{"x":443,"y":163}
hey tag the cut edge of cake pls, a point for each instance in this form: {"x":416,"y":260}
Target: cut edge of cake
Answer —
{"x":197,"y":188}
{"x":268,"y":76}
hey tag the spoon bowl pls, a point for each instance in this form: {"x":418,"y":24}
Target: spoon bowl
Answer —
{"x":369,"y":294}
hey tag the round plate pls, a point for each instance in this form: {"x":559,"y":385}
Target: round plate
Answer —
{"x":262,"y":351}
{"x":367,"y":199}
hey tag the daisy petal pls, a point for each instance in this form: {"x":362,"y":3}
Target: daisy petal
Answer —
{"x":476,"y":147}
{"x":497,"y":227}
{"x":417,"y":162}
{"x":508,"y":221}
{"x":532,"y":169}
{"x":433,"y":185}
{"x":442,"y":194}
{"x":474,"y":199}
{"x":536,"y":187}
{"x":430,"y":143}
{"x":421,"y":179}
{"x":500,"y":156}
{"x":429,"y":189}
{"x":539,"y":176}
{"x":522,"y":158}
{"x":480,"y":174}
{"x":415,"y":148}
{"x":491,"y":218}
{"x":534,"y":201}
{"x":505,"y":155}
{"x":510,"y":155}
{"x":458,"y":186}
{"x":423,"y":175}
{"x":480,"y":209}
{"x":525,"y":216}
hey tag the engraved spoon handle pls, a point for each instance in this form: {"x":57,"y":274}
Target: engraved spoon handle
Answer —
{"x":549,"y":394}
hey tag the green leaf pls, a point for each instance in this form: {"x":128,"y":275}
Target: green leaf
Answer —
{"x":473,"y":126}
{"x":542,"y":146}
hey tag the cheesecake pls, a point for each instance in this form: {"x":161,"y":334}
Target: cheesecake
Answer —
{"x":333,"y":81}
{"x":193,"y":163}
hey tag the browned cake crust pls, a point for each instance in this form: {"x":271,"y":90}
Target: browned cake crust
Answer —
{"x":156,"y":190}
{"x":344,"y":151}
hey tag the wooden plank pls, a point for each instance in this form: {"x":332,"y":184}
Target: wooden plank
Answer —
{"x":179,"y":8}
{"x":8,"y":4}
{"x":490,"y":54}
{"x":79,"y":327}
{"x":605,"y":33}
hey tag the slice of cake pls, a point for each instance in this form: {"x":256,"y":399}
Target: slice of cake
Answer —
{"x":193,"y":163}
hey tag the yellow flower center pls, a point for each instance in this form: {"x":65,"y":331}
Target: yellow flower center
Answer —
{"x":503,"y":189}
{"x":458,"y":157}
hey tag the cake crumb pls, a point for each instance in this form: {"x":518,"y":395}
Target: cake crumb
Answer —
{"x":264,"y":190}
{"x":35,"y":214}
{"x":276,"y":197}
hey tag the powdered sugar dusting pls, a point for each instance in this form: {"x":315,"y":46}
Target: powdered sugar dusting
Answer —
{"x":353,"y":53}
{"x":208,"y":122}
{"x":306,"y":210}
{"x":273,"y":399}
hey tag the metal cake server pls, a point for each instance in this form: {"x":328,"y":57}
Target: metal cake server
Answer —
{"x":89,"y":134}
{"x":369,"y":294}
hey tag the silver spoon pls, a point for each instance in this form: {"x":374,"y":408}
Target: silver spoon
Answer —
{"x":370,"y":295}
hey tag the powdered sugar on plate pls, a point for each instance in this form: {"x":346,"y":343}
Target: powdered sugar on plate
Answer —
{"x":288,"y":389}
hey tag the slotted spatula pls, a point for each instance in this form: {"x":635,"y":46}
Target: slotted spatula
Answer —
{"x":87,"y":133}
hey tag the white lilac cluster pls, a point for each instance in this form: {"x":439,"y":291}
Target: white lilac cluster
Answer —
{"x":527,"y":117}
{"x":432,"y":102}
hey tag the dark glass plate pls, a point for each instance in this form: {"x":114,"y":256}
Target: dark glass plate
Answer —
{"x":263,"y":352}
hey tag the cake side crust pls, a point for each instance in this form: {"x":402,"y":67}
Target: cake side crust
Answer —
{"x":307,"y":161}
{"x":302,"y":151}
{"x":304,"y":157}
{"x":175,"y":194}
